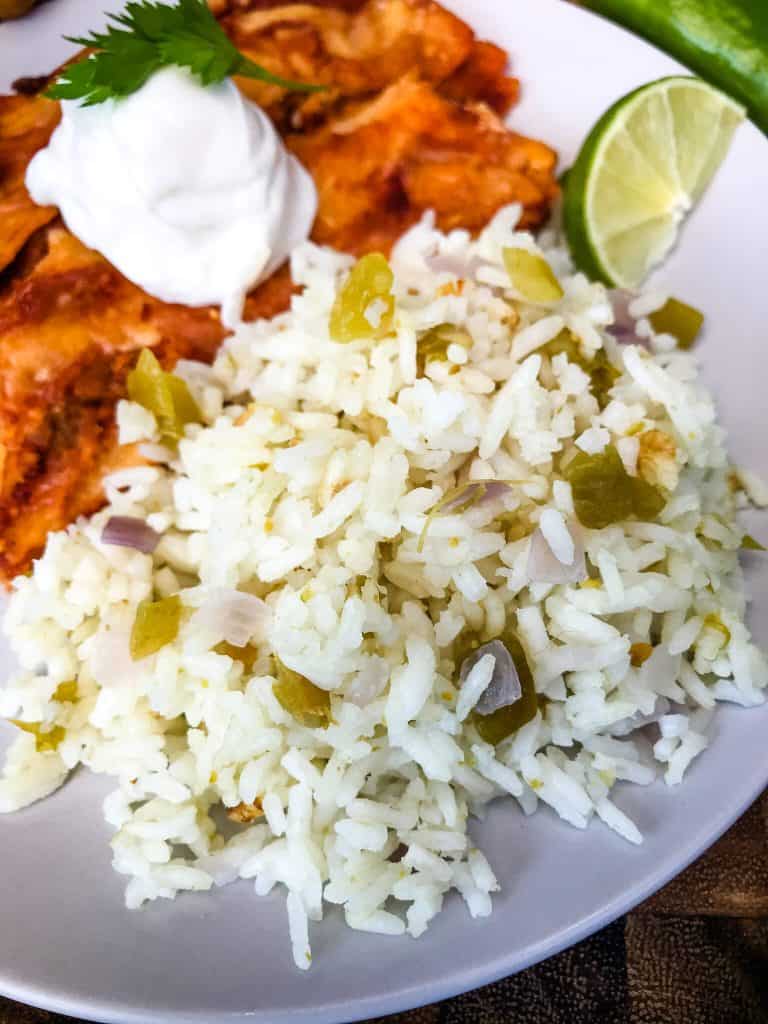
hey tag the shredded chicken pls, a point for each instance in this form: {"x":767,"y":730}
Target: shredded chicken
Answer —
{"x":410,"y":121}
{"x":25,"y":126}
{"x":378,"y":168}
{"x":69,"y":331}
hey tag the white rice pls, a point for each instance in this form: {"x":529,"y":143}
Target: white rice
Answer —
{"x":308,"y":485}
{"x":557,"y":535}
{"x":475,"y":685}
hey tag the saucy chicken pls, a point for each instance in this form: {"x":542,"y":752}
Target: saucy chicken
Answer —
{"x":411,"y":119}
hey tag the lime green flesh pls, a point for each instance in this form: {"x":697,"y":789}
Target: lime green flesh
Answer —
{"x":643,"y":167}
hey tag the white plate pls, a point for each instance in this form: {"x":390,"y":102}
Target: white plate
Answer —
{"x":66,"y":942}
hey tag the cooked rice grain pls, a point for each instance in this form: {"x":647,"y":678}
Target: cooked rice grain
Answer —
{"x":309,"y":486}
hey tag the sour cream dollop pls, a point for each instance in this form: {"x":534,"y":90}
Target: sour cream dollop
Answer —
{"x":187,"y":190}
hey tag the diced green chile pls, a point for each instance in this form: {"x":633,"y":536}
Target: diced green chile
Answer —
{"x":600,"y":370}
{"x":749,"y":543}
{"x":531,"y":276}
{"x":434,"y":343}
{"x":66,"y":692}
{"x":45,"y":740}
{"x":501,"y":724}
{"x":165,"y":395}
{"x":602,"y":376}
{"x":369,"y":281}
{"x":156,"y":624}
{"x":604,"y":493}
{"x":309,"y":704}
{"x":677,"y":318}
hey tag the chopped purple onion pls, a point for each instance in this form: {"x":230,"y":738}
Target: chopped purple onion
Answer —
{"x":369,"y":682}
{"x":494,"y":489}
{"x":624,"y":326}
{"x":460,"y":266}
{"x":544,"y":567}
{"x":130,"y":532}
{"x":110,"y":658}
{"x":504,"y":688}
{"x":233,"y":616}
{"x":476,"y":494}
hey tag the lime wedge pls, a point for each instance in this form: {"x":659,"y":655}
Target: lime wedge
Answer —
{"x":642,"y":168}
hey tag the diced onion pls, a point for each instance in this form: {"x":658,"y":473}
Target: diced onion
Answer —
{"x":109,"y":657}
{"x":368,"y":683}
{"x":544,"y":566}
{"x":624,"y":326}
{"x":461,"y":266}
{"x":462,"y":498}
{"x":504,"y":688}
{"x":233,"y":616}
{"x":130,"y":532}
{"x":494,"y":489}
{"x":477,"y":493}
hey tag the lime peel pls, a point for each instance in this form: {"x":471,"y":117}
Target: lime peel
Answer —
{"x":640,"y":171}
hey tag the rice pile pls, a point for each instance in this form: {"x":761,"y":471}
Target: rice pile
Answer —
{"x":308,"y":486}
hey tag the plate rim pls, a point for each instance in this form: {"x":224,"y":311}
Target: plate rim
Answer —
{"x":463,"y":979}
{"x":468,"y":980}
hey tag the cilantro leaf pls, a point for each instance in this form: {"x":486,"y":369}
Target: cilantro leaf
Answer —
{"x":148,"y":36}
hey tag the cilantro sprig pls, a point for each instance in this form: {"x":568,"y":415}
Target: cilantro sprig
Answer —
{"x":148,"y":36}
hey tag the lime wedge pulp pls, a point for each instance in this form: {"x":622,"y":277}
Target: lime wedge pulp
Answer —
{"x":642,"y":168}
